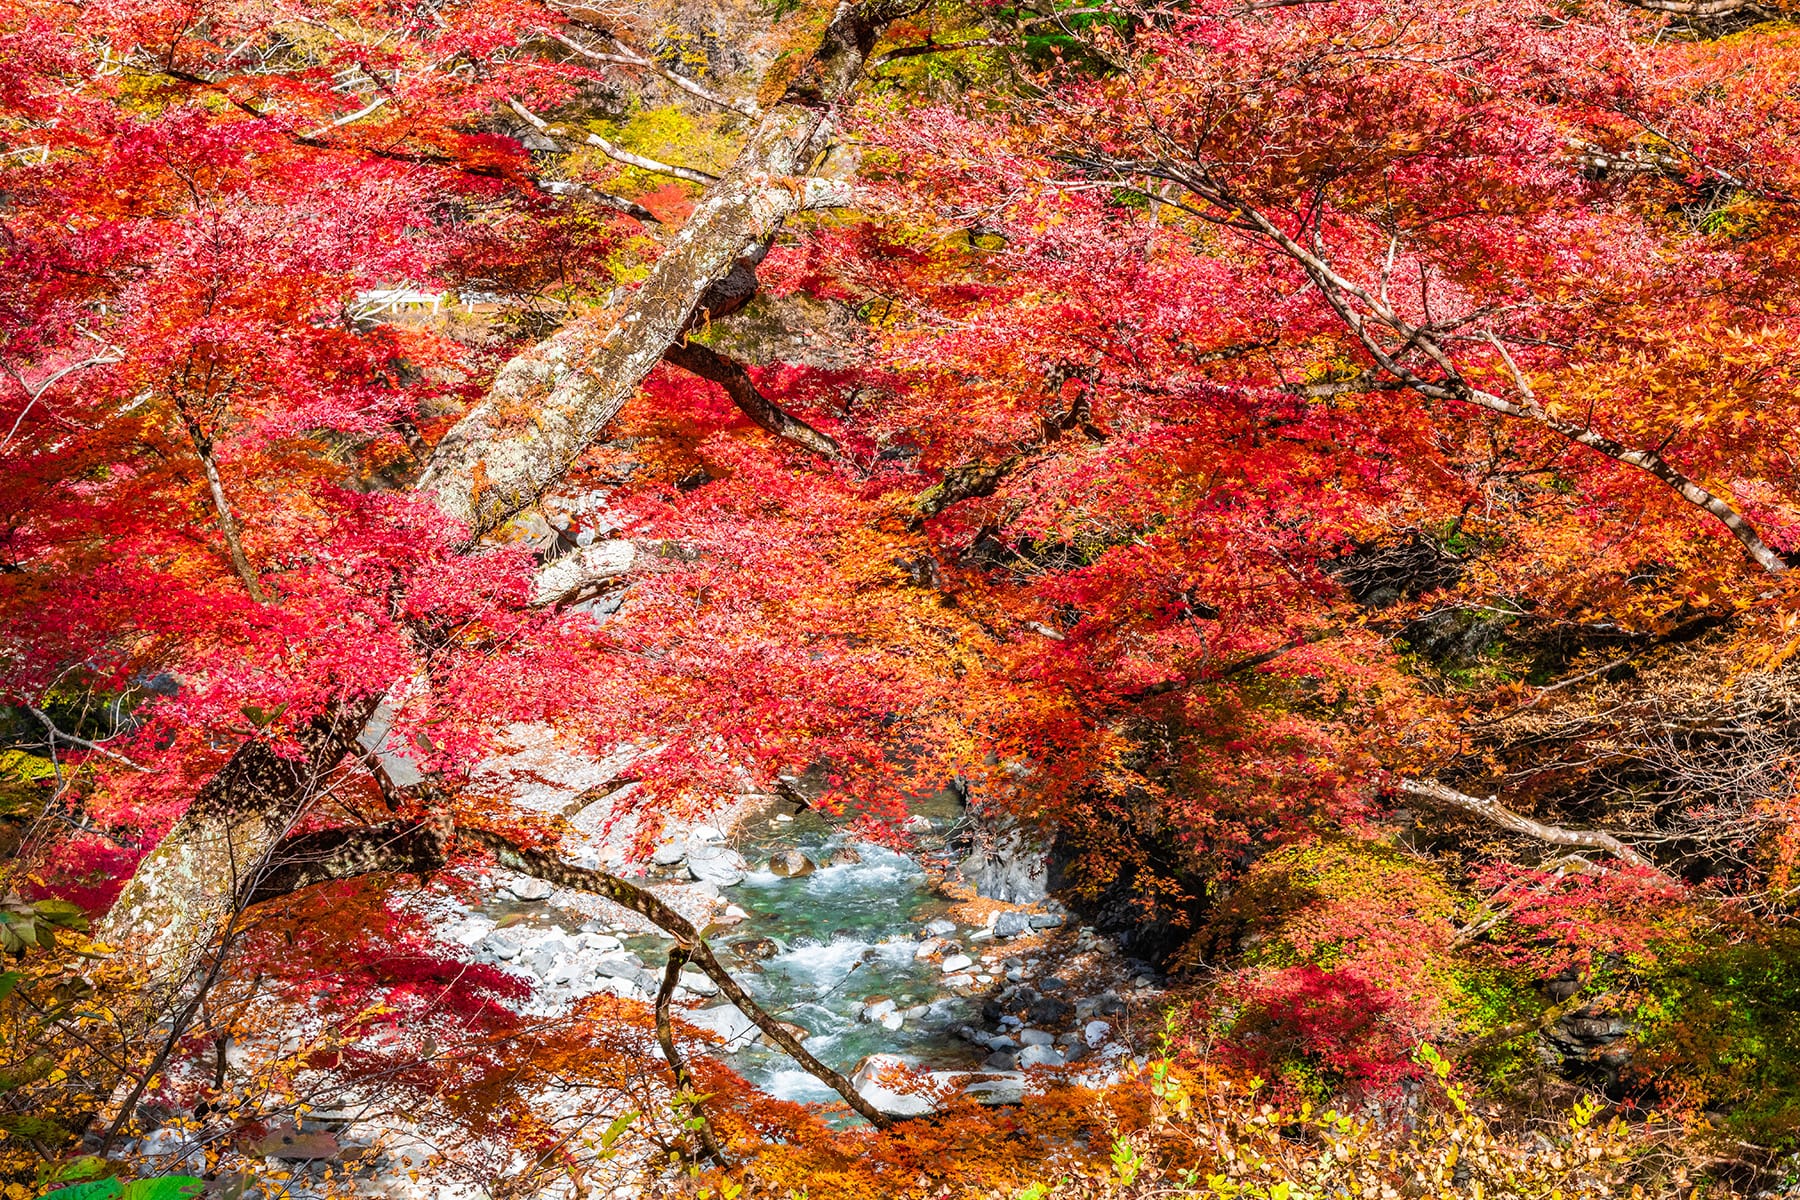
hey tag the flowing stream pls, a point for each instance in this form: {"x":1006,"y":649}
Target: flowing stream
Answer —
{"x":846,"y":936}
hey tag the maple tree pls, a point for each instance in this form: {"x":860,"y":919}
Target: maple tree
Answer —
{"x":1271,"y":435}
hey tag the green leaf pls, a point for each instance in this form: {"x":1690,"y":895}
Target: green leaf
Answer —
{"x":85,"y":1167}
{"x":8,"y":981}
{"x":169,"y":1187}
{"x":100,"y":1189}
{"x":62,"y":912}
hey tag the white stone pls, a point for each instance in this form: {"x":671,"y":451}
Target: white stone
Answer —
{"x":956,"y":963}
{"x":878,"y":1010}
{"x":877,"y":1081}
{"x":705,"y":833}
{"x":892,"y":1022}
{"x":734,"y":1027}
{"x":1035,"y":1037}
{"x":940,"y":928}
{"x":624,"y":989}
{"x":959,"y":981}
{"x":734,"y":913}
{"x":1040,"y":1056}
{"x":928,"y":947}
{"x":669,"y":853}
{"x":697,"y":983}
{"x":720,"y":866}
{"x":601,"y":943}
{"x":530,"y":889}
{"x":1094,"y":1033}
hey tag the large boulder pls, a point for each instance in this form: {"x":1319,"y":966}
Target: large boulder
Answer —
{"x":790,"y":864}
{"x":720,"y":866}
{"x":881,"y":1078}
{"x":733,"y":1027}
{"x":1011,"y":924}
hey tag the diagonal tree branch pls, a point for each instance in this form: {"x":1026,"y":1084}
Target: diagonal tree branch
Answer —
{"x":1491,"y":811}
{"x":1360,"y":309}
{"x":731,"y":375}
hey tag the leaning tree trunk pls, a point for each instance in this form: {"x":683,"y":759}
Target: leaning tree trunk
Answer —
{"x":545,"y":407}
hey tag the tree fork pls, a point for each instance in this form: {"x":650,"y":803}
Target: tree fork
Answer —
{"x":684,"y":1079}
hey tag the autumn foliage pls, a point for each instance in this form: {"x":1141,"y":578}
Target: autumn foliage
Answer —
{"x":1238,"y":410}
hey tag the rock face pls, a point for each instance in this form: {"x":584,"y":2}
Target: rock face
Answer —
{"x":1008,"y":864}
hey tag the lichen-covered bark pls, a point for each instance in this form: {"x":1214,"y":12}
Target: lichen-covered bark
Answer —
{"x":181,"y":895}
{"x":550,"y":403}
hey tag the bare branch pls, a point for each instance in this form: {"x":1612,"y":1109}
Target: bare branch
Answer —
{"x":628,"y":57}
{"x":59,"y":736}
{"x":932,"y":48}
{"x":616,"y":153}
{"x":368,"y":110}
{"x":1494,"y":813}
{"x":580,"y":191}
{"x":729,"y":374}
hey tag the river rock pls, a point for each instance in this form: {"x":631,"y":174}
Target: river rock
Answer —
{"x":697,"y":983}
{"x":529,"y":889}
{"x":601,"y":943}
{"x":1035,"y":1037}
{"x":844,"y":856}
{"x":501,"y":947}
{"x":876,"y":1010}
{"x":1011,"y":924}
{"x":791,"y":864}
{"x":1095,"y":1033}
{"x":624,"y":989}
{"x":1040,"y":1056}
{"x":706,"y":834}
{"x":1008,"y":1090}
{"x":1001,"y":1060}
{"x":892,"y":1022}
{"x":1046,"y":920}
{"x":956,"y":963}
{"x":732,"y":1026}
{"x":940,"y":928}
{"x":670,"y":853}
{"x":755,"y":949}
{"x":297,"y":1145}
{"x":720,"y":866}
{"x":878,"y":1078}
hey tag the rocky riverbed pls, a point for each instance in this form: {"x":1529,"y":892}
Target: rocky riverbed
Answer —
{"x":888,"y":961}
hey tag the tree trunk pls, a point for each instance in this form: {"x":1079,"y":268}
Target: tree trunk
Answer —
{"x":545,"y":407}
